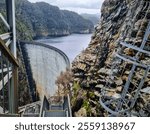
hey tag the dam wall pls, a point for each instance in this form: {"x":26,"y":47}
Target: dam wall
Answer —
{"x":45,"y":63}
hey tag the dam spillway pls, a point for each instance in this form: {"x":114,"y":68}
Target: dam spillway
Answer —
{"x":46,"y":64}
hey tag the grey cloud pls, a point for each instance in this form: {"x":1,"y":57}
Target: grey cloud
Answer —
{"x":47,"y":1}
{"x":89,"y":4}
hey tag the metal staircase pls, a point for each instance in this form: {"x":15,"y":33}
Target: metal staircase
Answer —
{"x":8,"y":62}
{"x":30,"y":110}
{"x":136,"y":65}
{"x":59,"y":108}
{"x":45,"y":108}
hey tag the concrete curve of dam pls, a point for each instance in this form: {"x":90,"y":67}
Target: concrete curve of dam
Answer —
{"x":46,"y":64}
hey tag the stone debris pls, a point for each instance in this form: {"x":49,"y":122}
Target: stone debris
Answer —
{"x":81,"y":113}
{"x":146,"y":90}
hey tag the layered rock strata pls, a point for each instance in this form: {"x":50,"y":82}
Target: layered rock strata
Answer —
{"x":97,"y":68}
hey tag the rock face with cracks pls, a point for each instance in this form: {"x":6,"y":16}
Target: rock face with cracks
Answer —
{"x":97,"y":66}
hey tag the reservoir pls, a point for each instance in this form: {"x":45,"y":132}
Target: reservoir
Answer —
{"x":49,"y":60}
{"x":71,"y":45}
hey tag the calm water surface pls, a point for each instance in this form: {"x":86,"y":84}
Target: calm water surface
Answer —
{"x":71,"y":45}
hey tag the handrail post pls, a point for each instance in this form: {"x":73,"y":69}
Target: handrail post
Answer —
{"x":10,"y":8}
{"x":69,"y":106}
{"x":13,"y":100}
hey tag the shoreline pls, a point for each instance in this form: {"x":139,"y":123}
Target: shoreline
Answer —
{"x":56,"y":36}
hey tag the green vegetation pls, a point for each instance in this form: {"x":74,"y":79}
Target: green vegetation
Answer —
{"x":40,"y":19}
{"x":23,"y":32}
{"x":91,"y":95}
{"x":76,"y":87}
{"x":86,"y":105}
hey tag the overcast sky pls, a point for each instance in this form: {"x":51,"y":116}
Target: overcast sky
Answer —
{"x":80,"y":6}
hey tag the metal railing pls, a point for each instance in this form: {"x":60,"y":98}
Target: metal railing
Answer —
{"x":30,"y":110}
{"x":8,"y":80}
{"x":59,"y":106}
{"x":67,"y":105}
{"x":8,"y":63}
{"x":44,"y":106}
{"x":56,"y":109}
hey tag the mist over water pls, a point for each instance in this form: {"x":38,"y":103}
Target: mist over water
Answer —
{"x":71,"y":45}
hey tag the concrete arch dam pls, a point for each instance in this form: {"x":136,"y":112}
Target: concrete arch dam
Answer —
{"x":45,"y":63}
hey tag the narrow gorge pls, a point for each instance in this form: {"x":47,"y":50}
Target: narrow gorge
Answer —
{"x":109,"y":78}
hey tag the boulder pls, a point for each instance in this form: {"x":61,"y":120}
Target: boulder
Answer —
{"x":119,"y":89}
{"x":119,"y":82}
{"x":100,"y":86}
{"x":81,"y":113}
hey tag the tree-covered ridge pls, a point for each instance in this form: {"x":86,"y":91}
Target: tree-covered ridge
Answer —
{"x":41,"y":19}
{"x":94,"y":18}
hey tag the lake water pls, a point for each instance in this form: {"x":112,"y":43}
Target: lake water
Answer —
{"x":71,"y":45}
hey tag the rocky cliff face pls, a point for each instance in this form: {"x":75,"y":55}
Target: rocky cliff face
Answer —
{"x":23,"y":83}
{"x":98,"y":67}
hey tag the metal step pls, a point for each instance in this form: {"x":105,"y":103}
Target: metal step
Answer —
{"x":31,"y":115}
{"x":56,"y":107}
{"x":55,"y":113}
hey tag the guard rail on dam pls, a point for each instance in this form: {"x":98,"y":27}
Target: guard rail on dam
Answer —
{"x":44,"y":64}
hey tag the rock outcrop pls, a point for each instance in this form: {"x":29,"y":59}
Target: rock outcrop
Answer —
{"x":23,"y":84}
{"x":97,"y":67}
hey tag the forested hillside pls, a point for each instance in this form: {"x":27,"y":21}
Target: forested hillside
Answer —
{"x":40,"y":19}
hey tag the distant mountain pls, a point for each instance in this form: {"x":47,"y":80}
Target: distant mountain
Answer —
{"x":94,"y":18}
{"x":41,"y":20}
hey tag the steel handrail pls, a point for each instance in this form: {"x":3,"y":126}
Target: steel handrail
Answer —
{"x":8,"y":54}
